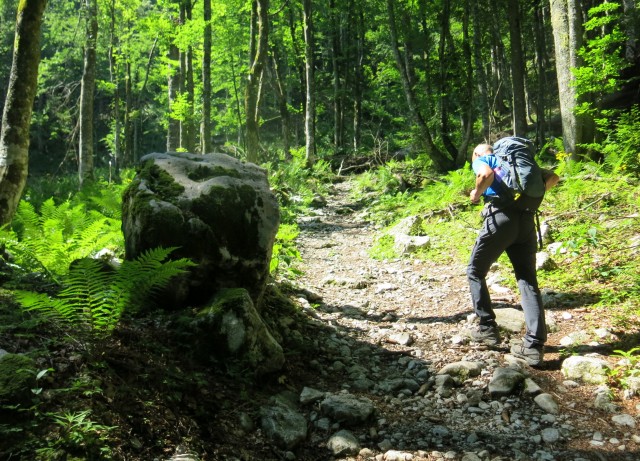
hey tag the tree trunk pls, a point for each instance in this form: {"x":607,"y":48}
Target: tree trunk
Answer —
{"x":567,"y":20}
{"x":87,"y":90}
{"x":187,"y":129}
{"x":445,"y":59}
{"x":18,"y":106}
{"x":519,"y":109}
{"x":336,"y":64}
{"x":481,"y":74}
{"x":205,"y":134}
{"x":310,"y":109}
{"x":254,"y":81}
{"x":440,"y":161}
{"x":467,"y":103}
{"x":173,"y":130}
{"x":114,"y":161}
{"x":129,"y":156}
{"x":281,"y":95}
{"x":541,"y":69}
{"x":358,"y":81}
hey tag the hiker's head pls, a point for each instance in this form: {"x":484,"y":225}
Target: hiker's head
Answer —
{"x":480,"y":150}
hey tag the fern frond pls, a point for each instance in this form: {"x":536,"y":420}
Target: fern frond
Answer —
{"x":26,"y":221}
{"x":147,"y":274}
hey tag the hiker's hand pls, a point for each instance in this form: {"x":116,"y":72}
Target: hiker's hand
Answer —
{"x":474,"y":196}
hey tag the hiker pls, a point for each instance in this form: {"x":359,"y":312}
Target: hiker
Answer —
{"x":508,"y":226}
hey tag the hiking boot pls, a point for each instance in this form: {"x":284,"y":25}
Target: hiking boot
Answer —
{"x":487,"y":335}
{"x":532,"y":355}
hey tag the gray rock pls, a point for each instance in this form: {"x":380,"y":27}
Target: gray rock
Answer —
{"x":590,"y":370}
{"x":283,"y":424}
{"x":544,"y":262}
{"x":603,"y":402}
{"x":550,"y":435}
{"x":547,"y":403}
{"x":624,"y":420}
{"x":310,"y":395}
{"x":505,"y":381}
{"x":531,"y":387}
{"x":216,"y":210}
{"x":347,"y":409}
{"x":395,"y":455}
{"x":343,"y":443}
{"x":462,"y":370}
{"x":510,"y":319}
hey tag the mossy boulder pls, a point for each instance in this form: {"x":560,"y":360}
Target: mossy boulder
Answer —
{"x":230,"y":329}
{"x":218,"y":211}
{"x":17,"y":377}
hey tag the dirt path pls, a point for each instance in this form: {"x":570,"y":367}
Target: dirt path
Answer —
{"x":394,"y":325}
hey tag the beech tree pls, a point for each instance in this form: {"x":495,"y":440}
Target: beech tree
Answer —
{"x":568,"y":33}
{"x":87,"y":89}
{"x":16,"y":116}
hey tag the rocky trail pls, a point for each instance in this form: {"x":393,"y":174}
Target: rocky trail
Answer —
{"x":391,"y":376}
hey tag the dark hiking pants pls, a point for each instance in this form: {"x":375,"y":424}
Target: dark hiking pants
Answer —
{"x":512,"y":231}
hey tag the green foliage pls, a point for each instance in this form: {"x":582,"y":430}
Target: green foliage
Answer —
{"x":602,"y":56}
{"x":601,"y":75}
{"x":77,"y":434}
{"x":285,"y":254}
{"x":622,"y":145}
{"x":628,"y":367}
{"x":95,"y":297}
{"x":58,"y":235}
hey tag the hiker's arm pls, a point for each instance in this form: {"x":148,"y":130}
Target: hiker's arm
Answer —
{"x":550,"y":179}
{"x":484,"y":178}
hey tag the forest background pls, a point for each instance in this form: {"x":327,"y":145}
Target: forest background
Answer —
{"x":398,"y":91}
{"x":326,"y":80}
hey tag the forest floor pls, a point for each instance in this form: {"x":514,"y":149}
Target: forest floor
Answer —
{"x":370,"y":329}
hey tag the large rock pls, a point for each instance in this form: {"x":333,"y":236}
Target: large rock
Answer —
{"x":217,"y":210}
{"x":231,"y":328}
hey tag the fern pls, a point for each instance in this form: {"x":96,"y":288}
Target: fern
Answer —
{"x":51,"y":240}
{"x":94,"y":299}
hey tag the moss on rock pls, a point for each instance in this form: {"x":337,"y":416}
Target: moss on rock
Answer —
{"x":17,"y":374}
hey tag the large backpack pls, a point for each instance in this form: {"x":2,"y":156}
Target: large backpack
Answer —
{"x":519,"y":176}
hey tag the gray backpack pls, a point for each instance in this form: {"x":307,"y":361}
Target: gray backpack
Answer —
{"x":520,"y":177}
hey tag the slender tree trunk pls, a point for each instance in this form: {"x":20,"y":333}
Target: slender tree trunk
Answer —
{"x":310,"y":109}
{"x":254,"y":81}
{"x":519,"y":109}
{"x":281,"y":96}
{"x":129,"y":156}
{"x":467,"y":102}
{"x":440,"y":160}
{"x":187,"y":128}
{"x":567,"y":20}
{"x":358,"y":81}
{"x":336,"y":64}
{"x":88,"y":84}
{"x":480,"y":71}
{"x":445,"y":59}
{"x":18,"y":106}
{"x":173,"y":131}
{"x":205,"y":134}
{"x":541,"y":67}
{"x":114,"y":161}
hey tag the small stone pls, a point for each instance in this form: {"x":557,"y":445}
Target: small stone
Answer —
{"x":624,"y":420}
{"x":550,"y":435}
{"x":547,"y":403}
